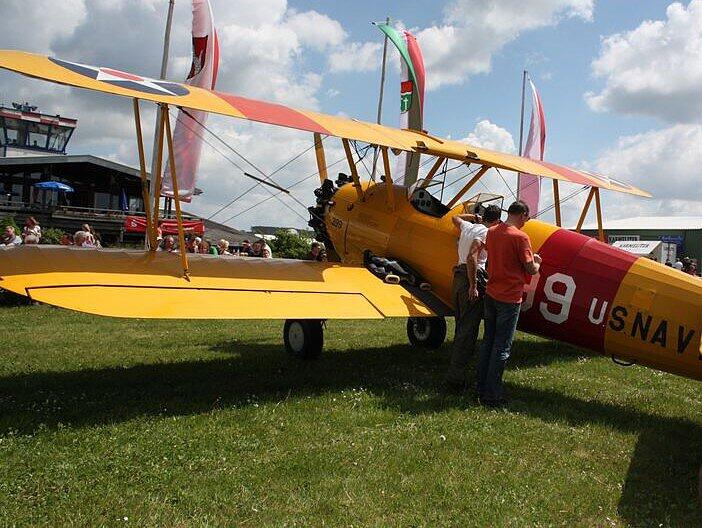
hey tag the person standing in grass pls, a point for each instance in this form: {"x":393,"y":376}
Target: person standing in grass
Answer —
{"x":511,"y":262}
{"x":469,"y":278}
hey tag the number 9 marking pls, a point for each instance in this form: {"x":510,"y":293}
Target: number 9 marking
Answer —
{"x":564,"y":299}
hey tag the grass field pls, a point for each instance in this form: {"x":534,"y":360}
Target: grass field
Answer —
{"x":146,"y":423}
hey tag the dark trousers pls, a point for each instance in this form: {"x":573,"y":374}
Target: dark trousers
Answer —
{"x":500,"y":324}
{"x":468,"y":315}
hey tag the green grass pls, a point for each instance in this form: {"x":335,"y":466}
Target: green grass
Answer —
{"x":209,"y":423}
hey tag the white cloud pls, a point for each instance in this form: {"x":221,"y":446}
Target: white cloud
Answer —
{"x":316,"y":30}
{"x":491,"y":136}
{"x":355,"y":57}
{"x":248,"y":12}
{"x":467,"y":38}
{"x":664,"y":162}
{"x":488,"y":135}
{"x":472,"y":31}
{"x":263,"y":45}
{"x":655,"y":69}
{"x":24,"y":24}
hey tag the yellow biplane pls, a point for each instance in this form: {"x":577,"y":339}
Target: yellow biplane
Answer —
{"x":587,"y":292}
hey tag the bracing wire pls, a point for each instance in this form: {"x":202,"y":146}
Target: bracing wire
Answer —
{"x":506,"y":184}
{"x":316,"y":173}
{"x":569,"y":197}
{"x":247,"y":161}
{"x":302,"y":153}
{"x":230,"y":161}
{"x":238,"y":197}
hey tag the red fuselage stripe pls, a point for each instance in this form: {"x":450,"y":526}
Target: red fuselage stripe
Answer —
{"x":595,"y":270}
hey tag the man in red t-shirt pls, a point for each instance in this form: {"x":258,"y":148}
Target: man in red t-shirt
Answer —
{"x":510,"y":264}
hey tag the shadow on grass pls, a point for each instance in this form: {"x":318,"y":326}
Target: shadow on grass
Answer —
{"x":659,"y":488}
{"x":48,"y":400}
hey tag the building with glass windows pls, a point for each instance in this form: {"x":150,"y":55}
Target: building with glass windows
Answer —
{"x":33,"y":149}
{"x":24,"y":132}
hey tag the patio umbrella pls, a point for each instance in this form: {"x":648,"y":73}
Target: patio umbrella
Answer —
{"x":54,"y":186}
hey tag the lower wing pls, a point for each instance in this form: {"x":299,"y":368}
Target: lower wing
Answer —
{"x":140,"y":284}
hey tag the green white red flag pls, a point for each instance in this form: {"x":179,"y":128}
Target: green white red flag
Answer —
{"x":411,"y":96}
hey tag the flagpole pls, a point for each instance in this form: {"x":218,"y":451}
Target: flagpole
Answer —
{"x":156,"y":193}
{"x":380,"y":96}
{"x":521,"y":124}
{"x":521,"y":121}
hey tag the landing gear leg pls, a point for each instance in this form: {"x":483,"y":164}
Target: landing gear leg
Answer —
{"x":304,"y":338}
{"x":426,"y":332}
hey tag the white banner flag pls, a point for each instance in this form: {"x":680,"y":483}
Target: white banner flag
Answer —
{"x":187,"y":141}
{"x":529,"y":186}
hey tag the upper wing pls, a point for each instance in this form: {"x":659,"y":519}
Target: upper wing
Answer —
{"x":129,"y":85}
{"x":140,"y":284}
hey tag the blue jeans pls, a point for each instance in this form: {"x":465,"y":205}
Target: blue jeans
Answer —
{"x":500,"y":324}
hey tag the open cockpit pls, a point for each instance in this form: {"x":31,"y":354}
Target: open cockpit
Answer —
{"x":428,"y":197}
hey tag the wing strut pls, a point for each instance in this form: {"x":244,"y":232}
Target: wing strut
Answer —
{"x":594,"y":193}
{"x":598,"y":208}
{"x":468,"y":185}
{"x":557,"y":202}
{"x":432,"y":172}
{"x":388,"y":178}
{"x":353,"y":169}
{"x":176,"y":194}
{"x":321,"y":160}
{"x":142,"y":167}
{"x":157,"y":184}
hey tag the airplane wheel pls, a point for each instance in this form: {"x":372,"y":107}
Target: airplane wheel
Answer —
{"x":304,"y":338}
{"x":426,"y":332}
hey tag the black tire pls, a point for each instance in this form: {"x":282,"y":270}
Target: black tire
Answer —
{"x":304,"y":338}
{"x":426,"y":332}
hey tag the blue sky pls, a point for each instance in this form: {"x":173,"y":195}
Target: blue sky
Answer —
{"x":558,"y":58}
{"x":620,"y":82}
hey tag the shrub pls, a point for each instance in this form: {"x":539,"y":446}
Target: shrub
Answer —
{"x":289,"y":245}
{"x":51,"y":235}
{"x":9,"y":221}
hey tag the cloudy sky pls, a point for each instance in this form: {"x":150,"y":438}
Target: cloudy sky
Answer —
{"x":621,"y":86}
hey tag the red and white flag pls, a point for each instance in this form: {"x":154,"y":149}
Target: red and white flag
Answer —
{"x":529,"y":186}
{"x":187,"y":141}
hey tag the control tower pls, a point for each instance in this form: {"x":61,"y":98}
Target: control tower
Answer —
{"x":25,"y":132}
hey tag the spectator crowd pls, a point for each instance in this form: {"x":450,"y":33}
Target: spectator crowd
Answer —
{"x":87,"y":237}
{"x":31,"y":234}
{"x":198,"y":244}
{"x":259,"y":248}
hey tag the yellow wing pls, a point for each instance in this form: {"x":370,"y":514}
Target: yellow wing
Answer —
{"x":141,"y":284}
{"x":129,"y":85}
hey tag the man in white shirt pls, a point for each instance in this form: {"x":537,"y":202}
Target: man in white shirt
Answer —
{"x":468,"y":290}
